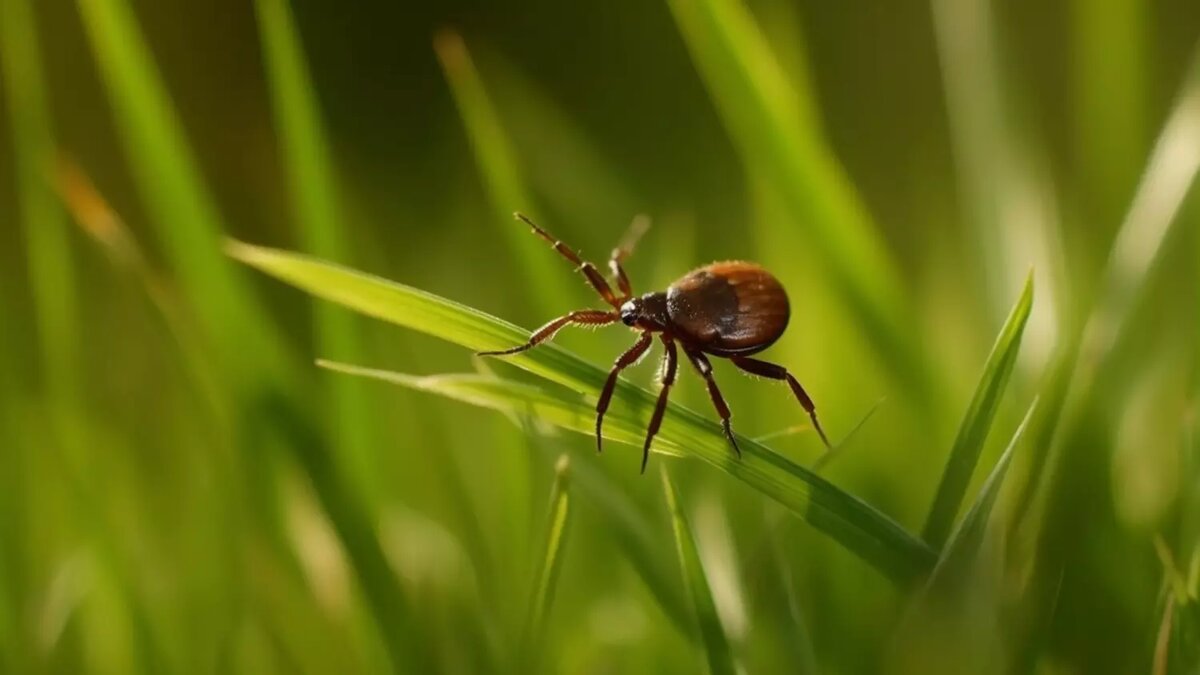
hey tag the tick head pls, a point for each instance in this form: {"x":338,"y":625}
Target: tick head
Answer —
{"x":630,"y":311}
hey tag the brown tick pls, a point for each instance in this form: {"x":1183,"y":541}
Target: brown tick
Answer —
{"x":727,"y":309}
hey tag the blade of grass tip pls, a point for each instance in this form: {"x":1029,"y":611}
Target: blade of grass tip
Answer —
{"x":557,"y":526}
{"x":312,"y":187}
{"x":1138,"y":245}
{"x":627,"y":521}
{"x":169,"y":182}
{"x":712,"y":633}
{"x":501,"y":172}
{"x":47,"y":246}
{"x":775,"y":125}
{"x":859,"y":527}
{"x":976,"y":424}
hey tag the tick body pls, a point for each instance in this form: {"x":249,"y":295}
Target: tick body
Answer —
{"x":727,"y":309}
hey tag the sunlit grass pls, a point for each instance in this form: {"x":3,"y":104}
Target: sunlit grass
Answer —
{"x":182,"y":489}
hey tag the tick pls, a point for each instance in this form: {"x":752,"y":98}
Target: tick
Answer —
{"x":728,"y":310}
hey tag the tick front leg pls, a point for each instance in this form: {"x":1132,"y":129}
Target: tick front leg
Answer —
{"x":589,"y":270}
{"x":670,"y":361}
{"x":627,"y":359}
{"x":704,"y":367}
{"x":777,"y":372}
{"x":583,"y":317}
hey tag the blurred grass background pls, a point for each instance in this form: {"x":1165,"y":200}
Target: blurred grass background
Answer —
{"x":182,"y":491}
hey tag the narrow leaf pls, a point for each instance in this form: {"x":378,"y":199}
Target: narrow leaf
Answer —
{"x":500,"y":170}
{"x":313,"y":193}
{"x":712,"y":633}
{"x":978,"y":421}
{"x":858,"y":526}
{"x":963,"y":544}
{"x":557,"y":526}
{"x":169,"y":181}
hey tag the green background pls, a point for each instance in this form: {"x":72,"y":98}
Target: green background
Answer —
{"x":162,"y":511}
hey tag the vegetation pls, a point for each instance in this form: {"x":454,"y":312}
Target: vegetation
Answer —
{"x":985,"y":216}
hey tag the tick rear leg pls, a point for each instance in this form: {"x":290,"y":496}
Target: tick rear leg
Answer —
{"x":625,"y":360}
{"x":670,"y":361}
{"x":700,"y":361}
{"x":583,"y":317}
{"x":777,"y":372}
{"x":589,"y":270}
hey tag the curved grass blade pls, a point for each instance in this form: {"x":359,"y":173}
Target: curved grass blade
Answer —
{"x":772,"y":118}
{"x":557,"y":526}
{"x":312,"y":188}
{"x":856,"y":525}
{"x":712,"y":633}
{"x":978,"y":421}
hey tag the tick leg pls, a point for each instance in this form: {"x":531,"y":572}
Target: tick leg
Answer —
{"x":777,"y":372}
{"x":589,"y":270}
{"x":670,"y":361}
{"x":627,"y":359}
{"x":583,"y":317}
{"x":700,"y":361}
{"x":623,"y":250}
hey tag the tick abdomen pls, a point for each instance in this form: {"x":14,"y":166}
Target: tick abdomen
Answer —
{"x":729,"y":308}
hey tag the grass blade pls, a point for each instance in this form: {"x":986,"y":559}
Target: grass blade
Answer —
{"x":308,"y":161}
{"x":557,"y":525}
{"x":712,"y":633}
{"x":51,"y":271}
{"x":858,"y":526}
{"x":501,"y":171}
{"x":978,"y":421}
{"x":168,"y":179}
{"x":1139,"y":244}
{"x":966,"y":539}
{"x":953,"y":624}
{"x":773,"y":121}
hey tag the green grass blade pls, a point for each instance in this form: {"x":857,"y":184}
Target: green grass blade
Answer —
{"x":953,"y":624}
{"x":964,"y":543}
{"x":43,"y":225}
{"x":978,"y":421}
{"x":393,"y":611}
{"x":1169,"y":176}
{"x":557,"y":525}
{"x":315,"y":207}
{"x":858,"y":526}
{"x":168,"y":180}
{"x":773,"y":121}
{"x":712,"y":633}
{"x":501,"y":172}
